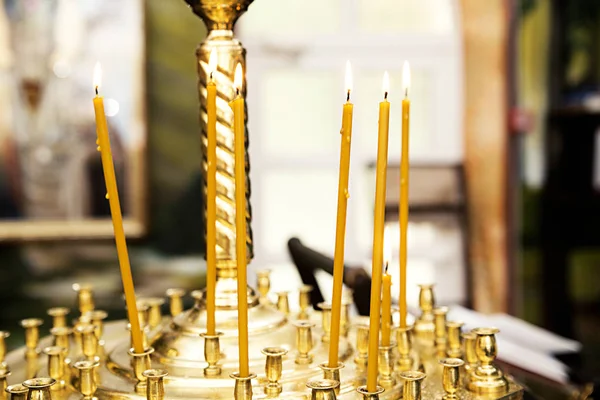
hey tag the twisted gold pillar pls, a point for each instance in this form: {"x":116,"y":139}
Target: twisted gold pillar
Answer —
{"x":219,"y":17}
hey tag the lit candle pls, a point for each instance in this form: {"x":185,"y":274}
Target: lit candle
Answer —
{"x":404,"y":166}
{"x":240,"y":221}
{"x":378,"y":234}
{"x":386,"y":297}
{"x":115,"y":211}
{"x":340,"y":232}
{"x":211,"y":195}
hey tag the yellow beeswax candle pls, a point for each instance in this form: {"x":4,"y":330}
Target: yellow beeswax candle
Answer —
{"x":211,"y":195}
{"x":340,"y":232}
{"x":115,"y":211}
{"x":240,"y":221}
{"x":378,"y":234}
{"x":403,"y":206}
{"x":386,"y":296}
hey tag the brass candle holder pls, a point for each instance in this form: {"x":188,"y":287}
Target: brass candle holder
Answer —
{"x":175,"y":300}
{"x":362,"y":390}
{"x":323,"y":389}
{"x":470,"y":353}
{"x":39,"y":388}
{"x":487,"y":378}
{"x":3,"y":382}
{"x":56,"y":365}
{"x":141,"y":362}
{"x":59,"y":316}
{"x":97,"y":318}
{"x":304,"y":342}
{"x":89,"y":341}
{"x":325,"y":321}
{"x":283,"y":303}
{"x":243,"y":386}
{"x":155,"y":389}
{"x":362,"y":345}
{"x":424,"y":328}
{"x":412,"y":384}
{"x":273,"y":367}
{"x":439,"y":315}
{"x":451,"y":376}
{"x":386,"y":366}
{"x":212,"y":353}
{"x":404,"y":340}
{"x":154,"y":310}
{"x":32,"y":335}
{"x":87,"y":377}
{"x":454,"y":349}
{"x":264,"y":285}
{"x":61,"y":336}
{"x":85,"y":297}
{"x":333,"y":374}
{"x":17,"y":392}
{"x":3,"y":336}
{"x":304,"y":301}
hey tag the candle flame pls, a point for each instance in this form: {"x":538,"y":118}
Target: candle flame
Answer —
{"x":97,"y":75}
{"x":386,"y":84}
{"x":237,"y":81}
{"x":406,"y":78}
{"x":348,"y":78}
{"x":387,"y":247}
{"x":212,"y":62}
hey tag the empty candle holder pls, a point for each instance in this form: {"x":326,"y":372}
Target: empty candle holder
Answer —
{"x":323,"y":389}
{"x":61,"y":336}
{"x":154,"y":311}
{"x":212,"y":353}
{"x":87,"y":377}
{"x":404,"y":342}
{"x":175,"y":296}
{"x":273,"y":369}
{"x":451,"y":377}
{"x":487,"y":378}
{"x":362,"y":345}
{"x":56,"y":365}
{"x":39,"y":388}
{"x":3,"y":381}
{"x":242,"y":389}
{"x":264,"y":285}
{"x":89,"y":340}
{"x":332,"y":373}
{"x":3,"y":365}
{"x":59,"y":316}
{"x":304,"y":301}
{"x":17,"y":392}
{"x":141,"y":362}
{"x":471,"y":361}
{"x":32,"y":334}
{"x":325,"y":321}
{"x":283,"y":304}
{"x":345,"y":319}
{"x":412,"y":384}
{"x":97,"y":318}
{"x":155,"y":388}
{"x":366,"y":395}
{"x":385,"y":366}
{"x":424,"y":328}
{"x":454,"y":348}
{"x":304,"y":342}
{"x":85,"y":297}
{"x":439,"y":315}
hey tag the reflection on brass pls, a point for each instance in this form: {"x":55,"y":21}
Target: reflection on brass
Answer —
{"x":17,"y":392}
{"x":212,"y":353}
{"x":141,"y":362}
{"x":175,"y":296}
{"x":366,"y":395}
{"x":283,"y":304}
{"x":345,"y":318}
{"x":155,"y":389}
{"x":263,"y":284}
{"x":323,"y":389}
{"x":56,"y":365}
{"x":304,"y":301}
{"x":362,"y":345}
{"x":304,"y":343}
{"x":424,"y":328}
{"x":451,"y":376}
{"x":85,"y":297}
{"x":332,"y":373}
{"x":143,"y":312}
{"x":242,"y":389}
{"x":454,"y":344}
{"x":487,"y":378}
{"x":97,"y":318}
{"x":87,"y":377}
{"x":61,"y":336}
{"x":39,"y":388}
{"x":154,"y":313}
{"x":273,"y":367}
{"x":441,"y":339}
{"x":32,"y":334}
{"x":325,"y":321}
{"x":59,"y":316}
{"x":469,"y":339}
{"x":412,"y":384}
{"x":385,"y":365}
{"x":89,"y":340}
{"x":404,"y":340}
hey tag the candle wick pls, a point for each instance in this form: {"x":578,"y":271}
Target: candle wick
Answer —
{"x":96,"y":90}
{"x":385,"y":95}
{"x":406,"y":93}
{"x":237,"y":91}
{"x":211,"y":76}
{"x":386,"y":267}
{"x":348,"y":96}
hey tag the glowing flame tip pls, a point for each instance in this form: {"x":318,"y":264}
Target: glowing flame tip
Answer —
{"x":386,"y":84}
{"x":406,"y":78}
{"x":348,"y":78}
{"x":97,"y":75}
{"x":212,"y":61}
{"x":239,"y":77}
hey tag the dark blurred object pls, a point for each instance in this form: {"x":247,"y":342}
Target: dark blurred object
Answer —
{"x":308,"y":261}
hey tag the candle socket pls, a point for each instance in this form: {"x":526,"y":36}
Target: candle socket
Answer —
{"x":264,"y":285}
{"x":3,"y":336}
{"x":32,"y":334}
{"x":412,"y":384}
{"x":175,"y":296}
{"x":39,"y":388}
{"x":451,"y":376}
{"x":154,"y":305}
{"x":61,"y":336}
{"x":332,"y":373}
{"x":273,"y":369}
{"x":404,"y":341}
{"x":454,"y":349}
{"x":89,"y":340}
{"x":97,"y":318}
{"x":487,"y":378}
{"x":323,"y":389}
{"x":212,"y":353}
{"x":304,"y":301}
{"x":283,"y":304}
{"x":424,"y":325}
{"x":471,"y":360}
{"x":370,"y":395}
{"x":325,"y":321}
{"x":386,"y":366}
{"x":85,"y":297}
{"x":59,"y":316}
{"x":362,"y":346}
{"x":441,"y":338}
{"x":141,"y":362}
{"x":87,"y":377}
{"x":304,"y":342}
{"x":16,"y":392}
{"x":3,"y":383}
{"x":144,"y":336}
{"x":243,"y":386}
{"x":56,"y":365}
{"x":155,"y":389}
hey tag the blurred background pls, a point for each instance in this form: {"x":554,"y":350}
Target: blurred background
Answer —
{"x":505,"y":163}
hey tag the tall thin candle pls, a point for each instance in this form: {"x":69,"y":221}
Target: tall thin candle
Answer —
{"x":386,"y":295}
{"x":404,"y":167}
{"x":115,"y":211}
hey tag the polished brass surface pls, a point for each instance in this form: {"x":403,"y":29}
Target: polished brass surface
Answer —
{"x":333,"y":374}
{"x":175,"y":301}
{"x":263,"y":284}
{"x":85,"y":297}
{"x":345,"y":318}
{"x":387,"y":378}
{"x":59,"y":316}
{"x":32,"y":334}
{"x":61,"y":336}
{"x":451,"y":376}
{"x":404,"y":341}
{"x":470,"y":354}
{"x":3,"y":336}
{"x":283,"y":303}
{"x":155,"y":388}
{"x":141,"y":362}
{"x":487,"y":378}
{"x":212,"y":353}
{"x":323,"y":389}
{"x":16,"y":392}
{"x":412,"y":384}
{"x":362,"y":345}
{"x":325,"y":321}
{"x":304,"y":301}
{"x":243,"y":386}
{"x":87,"y":377}
{"x":97,"y":318}
{"x":56,"y":365}
{"x":154,"y":313}
{"x":304,"y":342}
{"x":273,"y":369}
{"x":39,"y":388}
{"x":441,"y":338}
{"x":4,"y":374}
{"x":454,"y":348}
{"x":143,"y":312}
{"x":424,"y":328}
{"x":89,"y":340}
{"x":366,"y":395}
